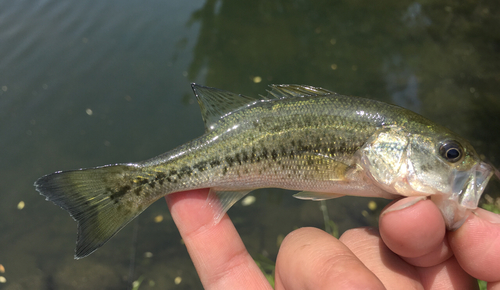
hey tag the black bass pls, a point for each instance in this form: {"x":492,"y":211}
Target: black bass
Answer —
{"x":300,"y":138}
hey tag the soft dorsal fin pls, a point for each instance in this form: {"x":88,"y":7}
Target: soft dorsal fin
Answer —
{"x":216,"y":103}
{"x":290,"y":91}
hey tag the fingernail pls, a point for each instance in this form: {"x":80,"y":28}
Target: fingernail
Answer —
{"x":404,"y":203}
{"x":487,"y":216}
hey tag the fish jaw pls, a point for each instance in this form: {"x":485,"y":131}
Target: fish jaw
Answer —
{"x":468,"y":186}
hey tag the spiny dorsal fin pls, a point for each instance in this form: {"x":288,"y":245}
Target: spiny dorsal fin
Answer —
{"x":216,"y":103}
{"x":290,"y":91}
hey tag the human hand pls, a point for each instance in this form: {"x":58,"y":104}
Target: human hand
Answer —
{"x":412,"y":251}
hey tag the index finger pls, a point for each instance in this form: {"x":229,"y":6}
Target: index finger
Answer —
{"x":217,"y":251}
{"x":414,"y":229}
{"x":476,"y":245}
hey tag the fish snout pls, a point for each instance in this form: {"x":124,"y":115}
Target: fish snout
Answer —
{"x":468,"y":186}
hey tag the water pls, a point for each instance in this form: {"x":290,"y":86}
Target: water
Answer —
{"x":87,"y":83}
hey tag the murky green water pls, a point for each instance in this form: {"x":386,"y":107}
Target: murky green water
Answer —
{"x":87,"y":83}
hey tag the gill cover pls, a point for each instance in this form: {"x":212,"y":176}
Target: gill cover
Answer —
{"x":410,"y":165}
{"x":405,"y":164}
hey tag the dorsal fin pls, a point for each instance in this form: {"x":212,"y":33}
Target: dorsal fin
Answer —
{"x":290,"y":91}
{"x":216,"y":103}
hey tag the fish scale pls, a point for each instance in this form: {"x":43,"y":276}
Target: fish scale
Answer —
{"x":298,"y":137}
{"x":298,"y":158}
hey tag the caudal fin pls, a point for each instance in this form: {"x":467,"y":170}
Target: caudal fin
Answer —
{"x":101,"y":200}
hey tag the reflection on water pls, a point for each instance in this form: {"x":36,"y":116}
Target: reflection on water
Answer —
{"x":94,"y":82}
{"x":401,"y":84}
{"x":413,"y":17}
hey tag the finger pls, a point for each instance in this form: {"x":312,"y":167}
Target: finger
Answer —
{"x":217,"y":251}
{"x":446,"y":275}
{"x":494,"y":286}
{"x":414,"y":229}
{"x":476,"y":245}
{"x":312,"y":259}
{"x":393,"y":271}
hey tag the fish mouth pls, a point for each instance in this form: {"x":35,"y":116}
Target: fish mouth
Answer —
{"x":468,"y":186}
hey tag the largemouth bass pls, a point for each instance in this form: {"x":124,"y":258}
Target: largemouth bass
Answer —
{"x":300,"y":138}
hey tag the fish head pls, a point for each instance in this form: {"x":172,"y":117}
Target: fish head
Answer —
{"x":440,"y":165}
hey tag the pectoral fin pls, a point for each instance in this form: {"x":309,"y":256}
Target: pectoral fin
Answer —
{"x":309,"y":195}
{"x":323,"y":168}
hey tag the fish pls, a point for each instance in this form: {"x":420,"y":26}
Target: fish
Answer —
{"x":303,"y":138}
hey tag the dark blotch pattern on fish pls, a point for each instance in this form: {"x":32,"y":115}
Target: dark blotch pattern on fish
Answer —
{"x":229,"y":161}
{"x":160,"y":177}
{"x":255,"y":154}
{"x":119,"y":193}
{"x":265,"y":154}
{"x":245,"y":156}
{"x":214,"y":163}
{"x":201,"y":166}
{"x":186,"y":170}
{"x":141,"y":180}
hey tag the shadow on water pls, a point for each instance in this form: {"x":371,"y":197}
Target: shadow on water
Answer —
{"x":92,"y":83}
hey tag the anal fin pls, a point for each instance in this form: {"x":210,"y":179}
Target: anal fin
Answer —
{"x":222,"y":201}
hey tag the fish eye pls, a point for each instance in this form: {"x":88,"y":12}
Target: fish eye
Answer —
{"x":451,"y":150}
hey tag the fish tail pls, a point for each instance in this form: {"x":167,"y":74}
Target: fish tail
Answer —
{"x":99,"y":199}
